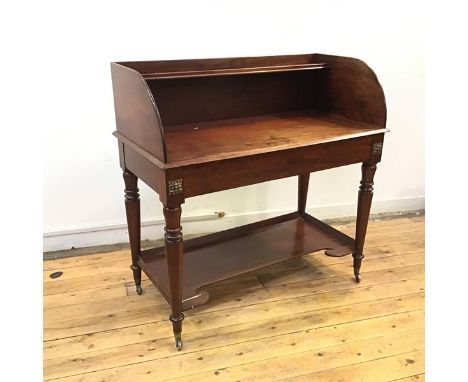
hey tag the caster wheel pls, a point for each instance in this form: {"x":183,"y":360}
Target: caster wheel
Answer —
{"x":178,"y":341}
{"x":139,"y":290}
{"x":358,"y":278}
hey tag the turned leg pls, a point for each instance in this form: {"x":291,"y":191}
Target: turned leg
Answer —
{"x":363,"y":210}
{"x":132,"y":208}
{"x":303,"y":187}
{"x":175,"y":264}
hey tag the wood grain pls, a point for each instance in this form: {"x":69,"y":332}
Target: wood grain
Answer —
{"x":317,"y":325}
{"x":188,"y":128}
{"x":254,"y":135}
{"x":236,"y":71}
{"x":237,"y":251}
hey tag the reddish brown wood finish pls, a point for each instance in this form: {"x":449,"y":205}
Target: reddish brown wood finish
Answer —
{"x":192,"y":127}
{"x":241,"y":171}
{"x":244,"y":170}
{"x":205,"y":142}
{"x":174,"y":251}
{"x":353,"y":91}
{"x":231,"y":71}
{"x":210,"y":64}
{"x":302,"y":189}
{"x":136,"y":114}
{"x":132,"y":208}
{"x":184,"y":101}
{"x":364,"y":205}
{"x":228,"y":253}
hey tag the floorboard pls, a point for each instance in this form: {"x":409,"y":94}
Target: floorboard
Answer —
{"x":300,"y":320}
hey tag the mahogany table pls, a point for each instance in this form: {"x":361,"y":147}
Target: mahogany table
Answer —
{"x":191,"y":127}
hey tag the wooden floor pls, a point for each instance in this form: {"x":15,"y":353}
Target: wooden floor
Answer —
{"x":305,"y":320}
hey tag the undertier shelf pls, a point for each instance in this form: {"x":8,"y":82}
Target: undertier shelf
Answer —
{"x":229,"y":253}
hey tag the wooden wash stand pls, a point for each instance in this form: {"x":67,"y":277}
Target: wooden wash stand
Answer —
{"x":191,"y":127}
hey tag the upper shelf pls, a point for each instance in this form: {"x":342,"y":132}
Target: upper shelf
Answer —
{"x":234,"y":71}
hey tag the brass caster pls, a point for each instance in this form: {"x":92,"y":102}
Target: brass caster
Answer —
{"x":139,"y":290}
{"x":178,"y":341}
{"x":358,"y":278}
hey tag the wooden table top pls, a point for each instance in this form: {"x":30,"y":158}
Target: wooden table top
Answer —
{"x":215,"y":140}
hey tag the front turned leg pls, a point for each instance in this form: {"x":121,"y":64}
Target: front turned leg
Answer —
{"x":364,"y":205}
{"x":175,"y":266}
{"x":132,"y":208}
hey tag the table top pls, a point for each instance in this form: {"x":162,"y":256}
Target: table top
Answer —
{"x":216,"y":140}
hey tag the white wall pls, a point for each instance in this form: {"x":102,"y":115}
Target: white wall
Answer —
{"x":83,"y":188}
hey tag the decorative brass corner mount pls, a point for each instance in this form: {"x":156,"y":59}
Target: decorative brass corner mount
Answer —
{"x":377,"y":148}
{"x":175,"y":186}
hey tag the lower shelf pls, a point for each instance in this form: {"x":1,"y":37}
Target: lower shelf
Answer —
{"x":225,"y":254}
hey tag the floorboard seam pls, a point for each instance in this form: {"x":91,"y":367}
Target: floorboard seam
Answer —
{"x":240,"y":364}
{"x":261,"y":303}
